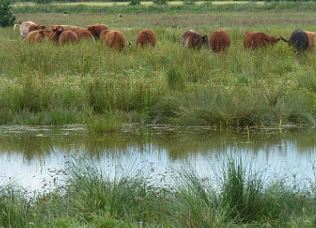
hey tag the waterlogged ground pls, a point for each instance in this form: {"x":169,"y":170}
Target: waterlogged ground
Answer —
{"x":35,"y":157}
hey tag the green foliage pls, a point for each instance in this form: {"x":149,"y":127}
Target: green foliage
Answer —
{"x":43,"y":1}
{"x":134,"y":2}
{"x":7,"y":18}
{"x":174,"y":79}
{"x":189,"y":2}
{"x":160,"y":2}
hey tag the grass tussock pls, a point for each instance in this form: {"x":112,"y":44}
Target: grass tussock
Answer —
{"x":236,"y":196}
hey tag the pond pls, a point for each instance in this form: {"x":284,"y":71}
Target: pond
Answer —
{"x":34,"y":157}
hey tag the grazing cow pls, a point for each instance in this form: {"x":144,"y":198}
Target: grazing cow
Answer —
{"x":311,"y":39}
{"x":68,"y":36}
{"x":55,"y":33}
{"x":28,"y":26}
{"x":219,"y":41}
{"x":97,"y":29}
{"x":299,"y":40}
{"x":113,"y":39}
{"x":259,"y":40}
{"x":83,"y":34}
{"x":192,"y":39}
{"x":17,"y":25}
{"x":37,"y":36}
{"x":145,"y":38}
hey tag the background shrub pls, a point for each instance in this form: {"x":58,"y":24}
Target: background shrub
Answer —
{"x":6,"y":16}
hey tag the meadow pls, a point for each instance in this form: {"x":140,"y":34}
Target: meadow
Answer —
{"x":91,"y":84}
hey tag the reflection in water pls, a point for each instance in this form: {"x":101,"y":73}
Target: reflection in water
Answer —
{"x":32,"y":158}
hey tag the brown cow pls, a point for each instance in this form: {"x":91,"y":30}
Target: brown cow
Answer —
{"x":260,"y":39}
{"x":28,"y":26}
{"x":37,"y":36}
{"x":113,"y":39}
{"x":219,"y":41}
{"x":97,"y":29}
{"x":145,"y":38}
{"x":55,"y":33}
{"x":192,"y":39}
{"x":83,"y":33}
{"x":311,"y":39}
{"x":68,"y":36}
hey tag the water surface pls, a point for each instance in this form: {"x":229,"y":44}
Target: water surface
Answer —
{"x":35,"y":157}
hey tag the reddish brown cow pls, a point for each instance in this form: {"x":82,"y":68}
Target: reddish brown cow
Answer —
{"x":260,"y":39}
{"x":219,"y":41}
{"x":55,"y":33}
{"x":192,"y":39}
{"x":145,"y":38}
{"x":37,"y":36}
{"x":113,"y":39}
{"x":97,"y":29}
{"x":83,"y":33}
{"x":68,"y":36}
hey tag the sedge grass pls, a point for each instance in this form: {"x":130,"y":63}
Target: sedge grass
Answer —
{"x":237,"y":197}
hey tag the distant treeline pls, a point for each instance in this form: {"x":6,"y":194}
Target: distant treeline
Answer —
{"x":166,"y":0}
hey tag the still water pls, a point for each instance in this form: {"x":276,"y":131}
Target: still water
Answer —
{"x":33,"y":157}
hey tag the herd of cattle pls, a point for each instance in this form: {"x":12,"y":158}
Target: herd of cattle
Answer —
{"x":218,"y":41}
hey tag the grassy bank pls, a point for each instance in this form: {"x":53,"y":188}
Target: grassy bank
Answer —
{"x":88,"y":83}
{"x":237,"y":196}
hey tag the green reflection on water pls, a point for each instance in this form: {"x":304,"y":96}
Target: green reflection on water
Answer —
{"x":179,"y":144}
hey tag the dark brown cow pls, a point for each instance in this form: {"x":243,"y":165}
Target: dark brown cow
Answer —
{"x":192,"y":39}
{"x":97,"y":29}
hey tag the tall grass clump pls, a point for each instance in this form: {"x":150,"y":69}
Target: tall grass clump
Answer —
{"x":106,"y":123}
{"x":174,"y":79}
{"x":129,"y":197}
{"x":242,"y":193}
{"x":16,"y":210}
{"x":197,"y":204}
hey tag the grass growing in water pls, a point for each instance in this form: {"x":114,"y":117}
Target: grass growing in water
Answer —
{"x":238,"y":196}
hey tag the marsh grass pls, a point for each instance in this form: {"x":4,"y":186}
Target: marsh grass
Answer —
{"x":50,"y":84}
{"x":238,"y":196}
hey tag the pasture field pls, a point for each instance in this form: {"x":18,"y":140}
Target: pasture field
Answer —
{"x":171,"y":7}
{"x":91,"y":84}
